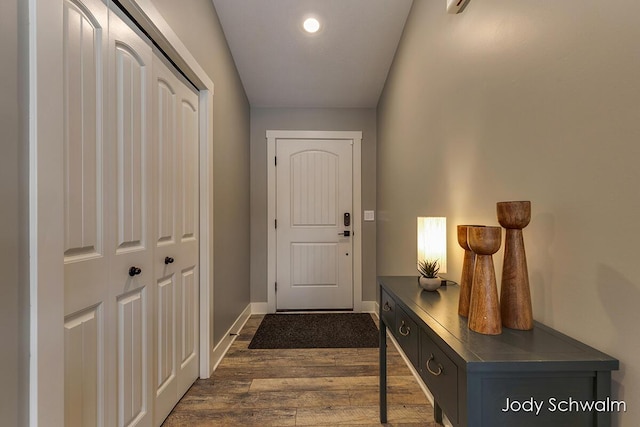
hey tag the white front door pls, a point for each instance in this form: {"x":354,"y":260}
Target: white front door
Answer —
{"x":314,"y":229}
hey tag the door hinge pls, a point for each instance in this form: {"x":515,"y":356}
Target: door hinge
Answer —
{"x":275,"y":161}
{"x":276,"y":286}
{"x":276,"y":223}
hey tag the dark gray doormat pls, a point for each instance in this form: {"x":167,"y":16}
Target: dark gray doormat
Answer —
{"x":327,"y":330}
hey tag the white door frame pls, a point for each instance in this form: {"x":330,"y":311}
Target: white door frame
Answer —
{"x":46,"y":241}
{"x":356,"y":137}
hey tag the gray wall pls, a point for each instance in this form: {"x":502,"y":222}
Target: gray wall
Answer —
{"x":525,"y":100}
{"x":14,"y":308}
{"x":196,"y":24}
{"x":337,"y":119}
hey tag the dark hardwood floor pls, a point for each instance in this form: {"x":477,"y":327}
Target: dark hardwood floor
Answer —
{"x":302,"y":387}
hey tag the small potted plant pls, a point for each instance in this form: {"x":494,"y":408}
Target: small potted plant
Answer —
{"x":429,"y":279}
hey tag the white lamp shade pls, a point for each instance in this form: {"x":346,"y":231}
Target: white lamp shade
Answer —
{"x":432,"y":240}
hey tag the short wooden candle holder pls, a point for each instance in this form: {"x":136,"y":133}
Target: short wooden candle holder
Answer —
{"x":484,"y":309}
{"x":466,"y":281}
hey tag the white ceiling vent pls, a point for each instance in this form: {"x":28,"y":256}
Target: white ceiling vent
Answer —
{"x":456,"y":6}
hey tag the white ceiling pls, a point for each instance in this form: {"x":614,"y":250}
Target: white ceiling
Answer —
{"x":345,"y":64}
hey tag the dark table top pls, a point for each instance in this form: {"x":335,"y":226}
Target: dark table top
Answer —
{"x":534,"y":350}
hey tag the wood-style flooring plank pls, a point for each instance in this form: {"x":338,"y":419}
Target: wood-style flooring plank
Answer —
{"x":239,"y":417}
{"x":356,"y":415}
{"x":309,"y":387}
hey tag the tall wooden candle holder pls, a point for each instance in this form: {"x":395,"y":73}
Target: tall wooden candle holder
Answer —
{"x":484,"y":310}
{"x":466,"y":281}
{"x":515,"y":295}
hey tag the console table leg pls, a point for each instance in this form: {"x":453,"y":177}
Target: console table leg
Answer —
{"x":383,"y":372}
{"x":437,"y":413}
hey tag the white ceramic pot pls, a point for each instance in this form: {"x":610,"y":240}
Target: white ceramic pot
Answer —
{"x":429,"y":284}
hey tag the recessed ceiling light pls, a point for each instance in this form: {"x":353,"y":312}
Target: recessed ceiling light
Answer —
{"x":311,"y":25}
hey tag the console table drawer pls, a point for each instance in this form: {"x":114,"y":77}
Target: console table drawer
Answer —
{"x":388,"y":310}
{"x":440,"y":375}
{"x":406,"y":332}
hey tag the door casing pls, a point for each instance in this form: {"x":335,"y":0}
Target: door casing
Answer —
{"x":348,"y":137}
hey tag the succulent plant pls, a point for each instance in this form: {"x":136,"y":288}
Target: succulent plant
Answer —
{"x":429,"y":268}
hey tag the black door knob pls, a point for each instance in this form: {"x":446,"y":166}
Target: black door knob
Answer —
{"x":168,"y":260}
{"x":134,"y":271}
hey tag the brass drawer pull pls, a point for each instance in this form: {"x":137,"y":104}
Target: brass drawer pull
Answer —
{"x":408,"y":330}
{"x":386,"y":306}
{"x":432,"y":372}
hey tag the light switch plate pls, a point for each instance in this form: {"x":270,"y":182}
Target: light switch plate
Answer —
{"x":369,"y":216}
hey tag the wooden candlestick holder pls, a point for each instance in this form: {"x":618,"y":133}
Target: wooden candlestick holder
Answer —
{"x":484,"y":309}
{"x":515,"y":295}
{"x":466,"y":281}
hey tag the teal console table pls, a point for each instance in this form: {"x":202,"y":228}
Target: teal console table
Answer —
{"x":519,"y":378}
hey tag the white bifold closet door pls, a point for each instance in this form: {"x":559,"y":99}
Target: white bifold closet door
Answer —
{"x":175,"y":131}
{"x":131,"y":328}
{"x":89,"y":306}
{"x":130,"y":215}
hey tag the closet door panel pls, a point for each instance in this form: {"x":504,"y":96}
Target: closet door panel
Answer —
{"x":165,"y":351}
{"x":188,"y":345}
{"x":165,"y":141}
{"x":188,"y":291}
{"x":83,"y":89}
{"x":188,"y":245}
{"x":131,"y":278}
{"x":132,"y":376}
{"x":131,"y":76}
{"x":165,"y":384}
{"x":189,"y":167}
{"x":176,"y":252}
{"x":84,"y":369}
{"x":86,"y":298}
{"x":165,"y":188}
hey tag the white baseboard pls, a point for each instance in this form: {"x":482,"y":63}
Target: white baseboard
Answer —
{"x":369,"y":307}
{"x":223,"y":346}
{"x":259,"y":308}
